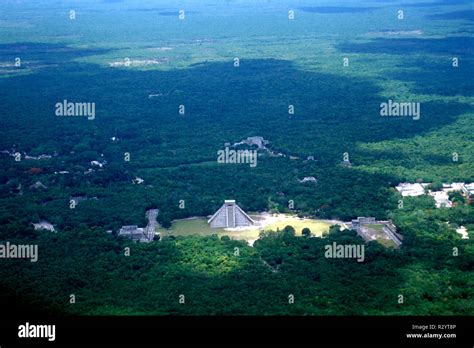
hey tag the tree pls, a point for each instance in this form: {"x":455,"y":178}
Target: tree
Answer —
{"x":289,"y":231}
{"x":306,"y":232}
{"x":436,"y":186}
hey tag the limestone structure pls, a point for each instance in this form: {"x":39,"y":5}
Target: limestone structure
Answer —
{"x":407,"y":189}
{"x":230,"y":215}
{"x":356,"y":224}
{"x":44,"y":225}
{"x":38,"y":185}
{"x":308,"y":179}
{"x":411,"y":190}
{"x":468,"y":189}
{"x":133,"y":232}
{"x":139,"y":234}
{"x":258,"y":141}
{"x":365,"y":227}
{"x":441,"y":199}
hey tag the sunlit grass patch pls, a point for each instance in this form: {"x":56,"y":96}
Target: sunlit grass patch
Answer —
{"x":199,"y":226}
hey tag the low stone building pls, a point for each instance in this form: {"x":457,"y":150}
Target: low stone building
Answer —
{"x":38,"y":185}
{"x":371,"y":229}
{"x":135,"y":233}
{"x":44,"y":225}
{"x":411,"y":190}
{"x":308,"y":179}
{"x":132,"y":232}
{"x":258,"y":141}
{"x":468,"y":189}
{"x":139,"y":234}
{"x":441,"y":199}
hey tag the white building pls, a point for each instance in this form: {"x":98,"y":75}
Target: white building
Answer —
{"x":463,"y":232}
{"x":308,"y":179}
{"x":98,"y":163}
{"x":411,"y":190}
{"x":455,"y":186}
{"x":138,"y":181}
{"x":468,"y":189}
{"x":441,"y":199}
{"x":44,"y":225}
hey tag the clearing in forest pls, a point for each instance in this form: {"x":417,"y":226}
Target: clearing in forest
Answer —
{"x":264,"y":221}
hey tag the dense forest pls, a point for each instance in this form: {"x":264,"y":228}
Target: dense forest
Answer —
{"x":215,"y":279}
{"x":176,"y":155}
